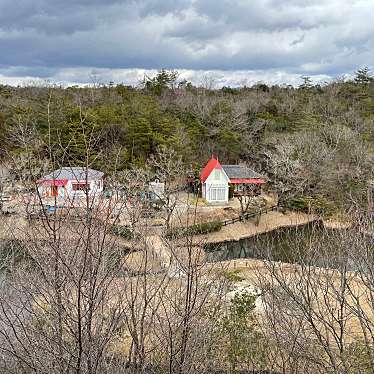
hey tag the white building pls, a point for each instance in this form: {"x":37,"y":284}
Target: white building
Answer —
{"x":214,"y":182}
{"x":156,"y":190}
{"x":70,"y":182}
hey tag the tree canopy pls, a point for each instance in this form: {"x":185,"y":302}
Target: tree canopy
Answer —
{"x":312,"y":141}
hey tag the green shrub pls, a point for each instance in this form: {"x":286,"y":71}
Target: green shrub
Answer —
{"x":124,"y":232}
{"x":311,"y":204}
{"x":13,"y":252}
{"x":115,"y":257}
{"x":200,"y":228}
{"x":243,"y":341}
{"x":233,"y":275}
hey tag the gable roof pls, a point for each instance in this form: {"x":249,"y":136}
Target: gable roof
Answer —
{"x":209,"y":167}
{"x":74,"y":173}
{"x":240,"y":172}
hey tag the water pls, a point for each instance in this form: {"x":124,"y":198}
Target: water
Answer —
{"x":311,"y":243}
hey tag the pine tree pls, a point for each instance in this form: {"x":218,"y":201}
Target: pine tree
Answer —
{"x":307,"y":83}
{"x":363,"y":76}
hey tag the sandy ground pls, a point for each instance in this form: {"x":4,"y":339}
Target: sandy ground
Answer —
{"x":255,"y":272}
{"x":326,"y":283}
{"x":264,"y":223}
{"x":188,"y":211}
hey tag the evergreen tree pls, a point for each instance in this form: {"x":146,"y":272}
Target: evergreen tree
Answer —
{"x":363,"y":76}
{"x":2,"y":134}
{"x":307,"y":83}
{"x":161,"y":82}
{"x":139,"y":138}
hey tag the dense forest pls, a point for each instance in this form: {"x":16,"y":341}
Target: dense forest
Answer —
{"x":315,"y":143}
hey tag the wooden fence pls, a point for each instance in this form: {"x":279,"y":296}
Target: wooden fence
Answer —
{"x":249,"y":215}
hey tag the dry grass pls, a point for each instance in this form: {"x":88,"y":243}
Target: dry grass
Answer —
{"x":257,"y":272}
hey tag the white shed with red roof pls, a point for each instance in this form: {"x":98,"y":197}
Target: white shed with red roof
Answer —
{"x":215,"y":182}
{"x":71,"y":182}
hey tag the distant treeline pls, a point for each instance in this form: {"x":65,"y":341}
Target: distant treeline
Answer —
{"x":314,"y":142}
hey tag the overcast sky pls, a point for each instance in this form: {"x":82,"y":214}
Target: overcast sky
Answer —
{"x":229,"y":42}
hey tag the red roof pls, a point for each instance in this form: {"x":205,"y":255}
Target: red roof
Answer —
{"x":247,"y":180}
{"x":54,"y":182}
{"x":209,"y":167}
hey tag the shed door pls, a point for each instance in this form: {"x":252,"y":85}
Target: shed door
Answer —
{"x":54,"y":190}
{"x":217,"y":194}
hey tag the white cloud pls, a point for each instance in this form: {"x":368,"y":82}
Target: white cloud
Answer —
{"x":217,"y":78}
{"x":240,"y":39}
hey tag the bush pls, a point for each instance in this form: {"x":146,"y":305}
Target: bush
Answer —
{"x":198,"y":229}
{"x":311,"y":204}
{"x":115,"y":257}
{"x":232,"y":275}
{"x":124,"y":232}
{"x":14,"y":252}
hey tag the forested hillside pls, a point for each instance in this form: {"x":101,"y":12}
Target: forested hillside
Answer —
{"x":315,"y":143}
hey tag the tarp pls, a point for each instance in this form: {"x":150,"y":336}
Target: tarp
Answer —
{"x":247,"y":181}
{"x":54,"y":182}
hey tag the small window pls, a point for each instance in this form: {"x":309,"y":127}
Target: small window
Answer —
{"x":82,"y":186}
{"x":217,"y":173}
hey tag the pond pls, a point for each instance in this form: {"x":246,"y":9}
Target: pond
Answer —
{"x":311,"y":243}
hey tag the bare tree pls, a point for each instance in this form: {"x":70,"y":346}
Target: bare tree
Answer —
{"x":189,"y":308}
{"x":169,"y":169}
{"x":308,"y":306}
{"x":248,"y":198}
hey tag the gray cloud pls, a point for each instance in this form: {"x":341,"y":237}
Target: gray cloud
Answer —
{"x":273,"y":38}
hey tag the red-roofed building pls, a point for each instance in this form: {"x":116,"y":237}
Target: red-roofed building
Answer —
{"x":71,"y":182}
{"x":216,"y":180}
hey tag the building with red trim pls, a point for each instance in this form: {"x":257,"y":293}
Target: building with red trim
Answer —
{"x":71,"y":182}
{"x":219,"y":182}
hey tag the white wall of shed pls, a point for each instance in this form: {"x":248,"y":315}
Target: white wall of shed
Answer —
{"x":96,"y":188}
{"x":216,"y":179}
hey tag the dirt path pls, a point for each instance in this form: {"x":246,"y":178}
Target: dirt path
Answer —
{"x":160,"y":250}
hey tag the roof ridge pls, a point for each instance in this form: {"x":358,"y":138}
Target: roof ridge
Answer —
{"x":74,"y":172}
{"x":209,"y":167}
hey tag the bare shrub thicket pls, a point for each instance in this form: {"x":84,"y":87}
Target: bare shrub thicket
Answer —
{"x":82,"y":298}
{"x":318,"y":312}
